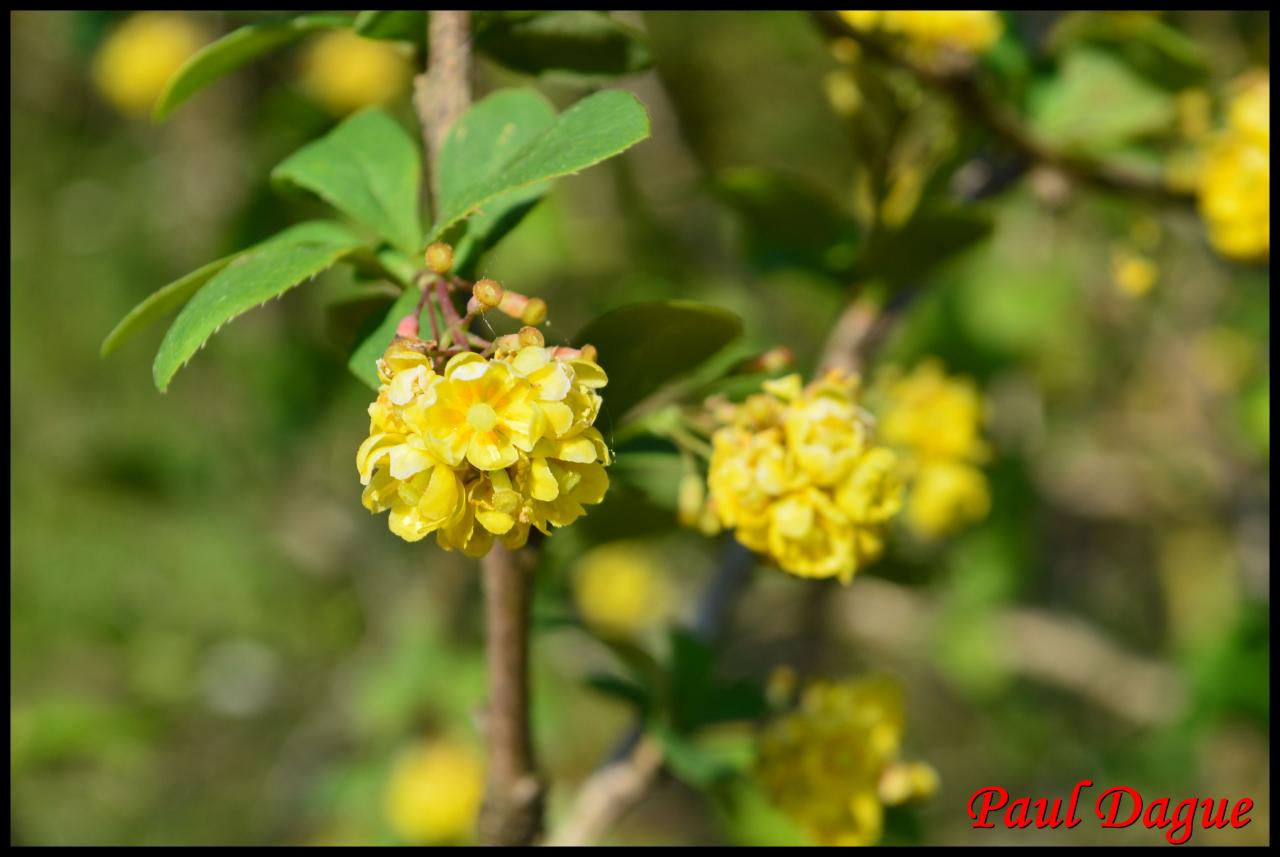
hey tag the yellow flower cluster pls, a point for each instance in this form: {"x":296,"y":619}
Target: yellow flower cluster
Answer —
{"x":434,"y":793}
{"x":136,"y":61}
{"x":935,"y":422}
{"x":484,"y":449}
{"x":929,"y":33}
{"x":1235,"y":177}
{"x":345,"y":71}
{"x":796,"y":475}
{"x":832,"y":764}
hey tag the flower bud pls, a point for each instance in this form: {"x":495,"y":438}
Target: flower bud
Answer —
{"x":507,"y":342}
{"x":590,"y":354}
{"x":439,"y":257}
{"x":487,"y":292}
{"x":408,"y":327}
{"x":535,"y":311}
{"x":531,"y":336}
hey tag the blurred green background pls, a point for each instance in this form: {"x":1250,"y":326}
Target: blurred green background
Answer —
{"x":212,"y":642}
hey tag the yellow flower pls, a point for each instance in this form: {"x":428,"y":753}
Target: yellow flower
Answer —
{"x":620,"y":589}
{"x":946,"y":495}
{"x":928,"y":33}
{"x":141,"y":55}
{"x":933,"y":415}
{"x":824,"y":763}
{"x":434,"y":793}
{"x":795,"y":475}
{"x":345,"y":71}
{"x":1235,"y":177}
{"x":1133,"y":273}
{"x":484,"y":413}
{"x":484,"y":450}
{"x":934,"y":421}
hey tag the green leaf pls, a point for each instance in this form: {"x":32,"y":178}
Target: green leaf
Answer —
{"x":369,"y":169}
{"x":581,"y":43}
{"x":787,"y":224}
{"x":654,"y":473}
{"x":597,"y":127}
{"x":234,"y":50}
{"x":163,"y":301}
{"x":401,"y":25}
{"x":646,"y":345}
{"x":1096,"y":103}
{"x":252,"y":279}
{"x":476,"y":149}
{"x":902,"y":257}
{"x":621,"y":689}
{"x":374,"y":340}
{"x":1148,"y":45}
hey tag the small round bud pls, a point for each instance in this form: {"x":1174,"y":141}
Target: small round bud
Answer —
{"x":439,"y":257}
{"x":531,"y":336}
{"x":408,"y":327}
{"x":488,"y":292}
{"x":590,"y":354}
{"x":535,"y":311}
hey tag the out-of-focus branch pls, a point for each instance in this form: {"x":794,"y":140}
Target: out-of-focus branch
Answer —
{"x":611,"y":792}
{"x":1055,"y":650}
{"x":512,"y":809}
{"x":963,"y":87}
{"x":443,"y":93}
{"x":634,"y":765}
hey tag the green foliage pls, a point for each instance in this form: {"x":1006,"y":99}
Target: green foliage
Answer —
{"x":400,"y":25}
{"x":787,"y":224}
{"x":475,"y":150}
{"x":373,"y":343}
{"x":645,"y":346}
{"x":579,"y":43}
{"x":1098,"y":103}
{"x":597,"y":127}
{"x":163,"y":301}
{"x":1147,"y":45}
{"x":369,"y":169}
{"x":893,"y":256}
{"x":254,"y":278}
{"x":235,"y":49}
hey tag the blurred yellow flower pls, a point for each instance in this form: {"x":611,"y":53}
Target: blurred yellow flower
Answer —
{"x":1235,"y":177}
{"x":620,"y":589}
{"x":1133,"y":273}
{"x":934,"y":422}
{"x":832,"y":764}
{"x":345,"y":71}
{"x":796,"y":476}
{"x":434,"y":793}
{"x":928,"y":33}
{"x":933,"y":414}
{"x":486,"y":448}
{"x":946,"y":495}
{"x":141,"y":55}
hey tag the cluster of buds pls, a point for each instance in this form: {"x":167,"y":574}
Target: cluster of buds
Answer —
{"x":933,"y":35}
{"x":477,"y":440}
{"x":832,"y":763}
{"x":1235,"y":176}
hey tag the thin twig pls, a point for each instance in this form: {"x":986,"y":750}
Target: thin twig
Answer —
{"x":611,"y":792}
